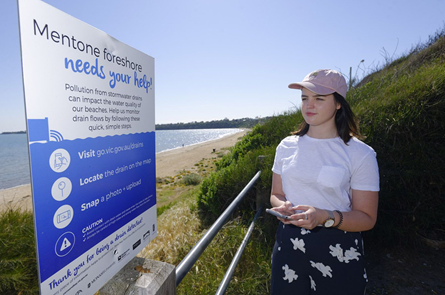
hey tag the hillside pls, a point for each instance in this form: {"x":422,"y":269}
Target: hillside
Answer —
{"x":225,"y":123}
{"x":400,"y":107}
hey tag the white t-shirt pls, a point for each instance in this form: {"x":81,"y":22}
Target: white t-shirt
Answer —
{"x":322,"y":172}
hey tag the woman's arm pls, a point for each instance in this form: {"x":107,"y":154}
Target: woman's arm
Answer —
{"x":362,"y":217}
{"x":278,"y":198}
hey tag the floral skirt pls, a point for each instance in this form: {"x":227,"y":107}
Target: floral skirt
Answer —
{"x":317,"y":261}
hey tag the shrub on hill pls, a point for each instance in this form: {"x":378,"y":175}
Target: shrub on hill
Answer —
{"x":401,"y":112}
{"x":221,"y":187}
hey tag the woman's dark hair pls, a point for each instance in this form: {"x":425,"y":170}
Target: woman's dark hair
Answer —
{"x":345,"y":121}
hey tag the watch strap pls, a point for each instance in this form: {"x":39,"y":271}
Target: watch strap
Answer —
{"x":331,"y":214}
{"x":331,"y":217}
{"x":341,"y":219}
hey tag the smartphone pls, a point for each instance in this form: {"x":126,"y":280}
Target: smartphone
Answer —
{"x":275,"y":213}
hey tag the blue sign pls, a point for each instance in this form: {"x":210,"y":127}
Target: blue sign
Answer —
{"x":91,"y":133}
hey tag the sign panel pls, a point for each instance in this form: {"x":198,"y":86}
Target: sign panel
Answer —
{"x":90,"y":116}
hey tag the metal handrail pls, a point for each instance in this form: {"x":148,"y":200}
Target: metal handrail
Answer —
{"x":189,"y":260}
{"x":228,"y":276}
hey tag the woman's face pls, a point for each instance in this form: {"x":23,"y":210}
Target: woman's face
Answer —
{"x":318,"y":110}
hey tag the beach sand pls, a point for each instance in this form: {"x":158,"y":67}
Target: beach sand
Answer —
{"x":168,"y":163}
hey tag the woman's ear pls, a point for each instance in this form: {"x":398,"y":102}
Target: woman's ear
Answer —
{"x":338,"y":105}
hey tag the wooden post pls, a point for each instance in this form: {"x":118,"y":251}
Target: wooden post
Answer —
{"x":262,"y":196}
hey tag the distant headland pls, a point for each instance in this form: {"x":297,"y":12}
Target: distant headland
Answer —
{"x":13,"y":132}
{"x":225,"y":123}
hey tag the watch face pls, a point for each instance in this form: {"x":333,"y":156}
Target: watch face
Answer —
{"x":329,"y":223}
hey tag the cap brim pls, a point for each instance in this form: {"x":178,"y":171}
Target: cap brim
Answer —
{"x":312,"y":87}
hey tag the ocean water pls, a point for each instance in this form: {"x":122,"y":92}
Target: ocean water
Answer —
{"x":171,"y":139}
{"x":14,"y":160}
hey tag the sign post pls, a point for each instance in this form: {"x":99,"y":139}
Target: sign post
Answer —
{"x":90,"y":116}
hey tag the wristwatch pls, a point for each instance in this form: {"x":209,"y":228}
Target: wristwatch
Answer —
{"x":330,"y":221}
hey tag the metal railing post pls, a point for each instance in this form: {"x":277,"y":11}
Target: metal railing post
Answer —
{"x":228,"y":276}
{"x":189,"y":260}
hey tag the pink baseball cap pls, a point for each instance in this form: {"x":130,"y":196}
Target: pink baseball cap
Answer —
{"x":323,"y":82}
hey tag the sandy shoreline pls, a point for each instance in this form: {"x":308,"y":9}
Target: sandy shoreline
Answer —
{"x":168,"y":163}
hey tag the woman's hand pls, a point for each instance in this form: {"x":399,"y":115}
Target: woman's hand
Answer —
{"x":285,"y":209}
{"x":307,"y":216}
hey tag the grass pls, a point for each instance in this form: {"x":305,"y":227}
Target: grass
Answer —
{"x":251,"y":275}
{"x":18,"y":265}
{"x":172,"y":189}
{"x":401,"y":112}
{"x":178,"y":231}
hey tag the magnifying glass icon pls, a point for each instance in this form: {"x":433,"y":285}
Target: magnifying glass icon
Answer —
{"x":61,"y":186}
{"x":61,"y":189}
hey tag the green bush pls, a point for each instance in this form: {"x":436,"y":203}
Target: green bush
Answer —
{"x":18,"y":264}
{"x":405,"y":125}
{"x":220,"y":188}
{"x":192,"y":179}
{"x":236,"y":169}
{"x":264,"y":135}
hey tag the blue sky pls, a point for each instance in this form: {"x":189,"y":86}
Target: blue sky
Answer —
{"x":217,"y":59}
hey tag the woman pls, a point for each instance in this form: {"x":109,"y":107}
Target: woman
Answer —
{"x":327,"y":181}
